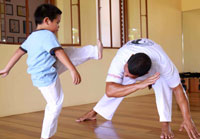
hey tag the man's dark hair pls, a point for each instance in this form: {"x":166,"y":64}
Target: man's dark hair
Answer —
{"x":46,"y":10}
{"x":139,"y":64}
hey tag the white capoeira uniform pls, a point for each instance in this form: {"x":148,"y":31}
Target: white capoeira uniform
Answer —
{"x":77,"y":56}
{"x":53,"y":93}
{"x":169,"y":78}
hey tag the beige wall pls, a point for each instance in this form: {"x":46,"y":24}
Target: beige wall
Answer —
{"x":190,"y":5}
{"x":165,"y":27}
{"x":17,"y":95}
{"x":191,"y":33}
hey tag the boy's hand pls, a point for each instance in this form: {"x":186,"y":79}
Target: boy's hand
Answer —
{"x":190,"y":129}
{"x":75,"y":77}
{"x":3,"y":73}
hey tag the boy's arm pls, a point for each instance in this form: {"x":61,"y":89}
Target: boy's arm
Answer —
{"x":183,"y":103}
{"x":14,"y":59}
{"x":118,"y":90}
{"x":60,"y":54}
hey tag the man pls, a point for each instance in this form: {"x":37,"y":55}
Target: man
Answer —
{"x":137,"y":65}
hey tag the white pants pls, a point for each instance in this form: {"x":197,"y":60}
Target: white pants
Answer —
{"x":106,"y":107}
{"x":53,"y":93}
{"x":77,"y":56}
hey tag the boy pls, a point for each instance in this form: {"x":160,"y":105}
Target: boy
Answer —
{"x":43,"y":48}
{"x":141,"y":60}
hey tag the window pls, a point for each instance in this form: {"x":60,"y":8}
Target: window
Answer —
{"x":69,"y":32}
{"x":16,"y":17}
{"x":17,"y":20}
{"x":121,"y":20}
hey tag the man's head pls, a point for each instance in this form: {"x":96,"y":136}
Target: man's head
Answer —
{"x":46,"y":11}
{"x":138,"y":65}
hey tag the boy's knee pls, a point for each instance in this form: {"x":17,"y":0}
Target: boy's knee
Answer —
{"x":54,"y":109}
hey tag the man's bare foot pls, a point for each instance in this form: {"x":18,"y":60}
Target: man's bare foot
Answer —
{"x":89,"y":116}
{"x":100,"y":49}
{"x":166,"y":131}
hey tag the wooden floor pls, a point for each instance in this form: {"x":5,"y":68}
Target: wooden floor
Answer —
{"x":136,"y":118}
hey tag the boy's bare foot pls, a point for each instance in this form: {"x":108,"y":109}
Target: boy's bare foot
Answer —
{"x":89,"y":116}
{"x":166,"y":131}
{"x":100,"y":49}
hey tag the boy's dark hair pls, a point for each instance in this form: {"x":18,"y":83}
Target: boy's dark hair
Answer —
{"x":139,"y":64}
{"x":46,"y":10}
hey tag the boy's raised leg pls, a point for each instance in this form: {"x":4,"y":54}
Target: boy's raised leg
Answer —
{"x":80,"y":55}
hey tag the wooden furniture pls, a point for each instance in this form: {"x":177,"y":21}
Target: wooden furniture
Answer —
{"x":194,"y":85}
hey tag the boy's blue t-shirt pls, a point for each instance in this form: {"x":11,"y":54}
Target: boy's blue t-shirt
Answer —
{"x":40,"y":46}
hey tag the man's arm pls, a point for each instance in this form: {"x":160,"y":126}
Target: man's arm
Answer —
{"x":14,"y":59}
{"x":118,"y":90}
{"x":183,"y":103}
{"x":60,"y":54}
